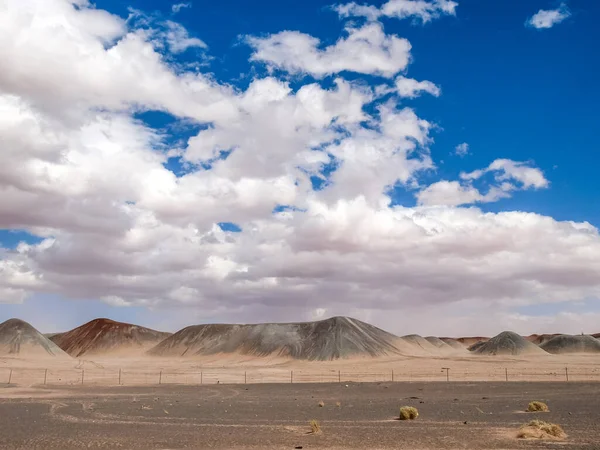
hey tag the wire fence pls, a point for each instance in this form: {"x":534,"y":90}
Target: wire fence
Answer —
{"x":127,"y":377}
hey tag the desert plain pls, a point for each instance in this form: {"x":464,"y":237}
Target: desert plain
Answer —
{"x":332,"y":384}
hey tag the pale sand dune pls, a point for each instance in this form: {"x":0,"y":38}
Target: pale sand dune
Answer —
{"x":447,"y":348}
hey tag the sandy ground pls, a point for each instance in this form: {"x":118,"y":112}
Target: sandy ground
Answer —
{"x":135,"y":370}
{"x":276,"y":416}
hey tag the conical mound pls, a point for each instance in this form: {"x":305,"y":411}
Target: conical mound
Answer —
{"x":572,"y":344}
{"x":19,"y":339}
{"x":108,"y":337}
{"x":454,"y":343}
{"x":338,"y":337}
{"x":445,"y":347}
{"x":508,"y":343}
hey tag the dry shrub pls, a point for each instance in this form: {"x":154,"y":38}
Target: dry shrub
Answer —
{"x":338,"y":404}
{"x":537,"y":407}
{"x":408,"y":413}
{"x":538,"y":429}
{"x":321,"y":403}
{"x":315,"y":426}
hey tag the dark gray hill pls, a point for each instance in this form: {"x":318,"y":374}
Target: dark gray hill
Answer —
{"x":508,"y":343}
{"x":565,"y":343}
{"x":337,"y":337}
{"x":18,"y":338}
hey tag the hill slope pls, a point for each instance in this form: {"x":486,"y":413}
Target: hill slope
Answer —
{"x":450,"y":347}
{"x":105,"y":336}
{"x":508,"y":343}
{"x":539,"y":339}
{"x":572,"y":344}
{"x":18,"y":338}
{"x":338,"y":337}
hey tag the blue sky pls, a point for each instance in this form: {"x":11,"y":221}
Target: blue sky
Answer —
{"x":94,"y":223}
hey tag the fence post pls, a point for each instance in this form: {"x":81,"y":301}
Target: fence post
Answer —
{"x":567,"y":373}
{"x":245,"y":378}
{"x":291,"y":376}
{"x":10,"y":376}
{"x":201,"y":377}
{"x":82,"y":375}
{"x":339,"y":376}
{"x":392,"y":374}
{"x":45,"y":375}
{"x":160,"y":377}
{"x":447,"y":369}
{"x":506,"y":373}
{"x":119,"y":377}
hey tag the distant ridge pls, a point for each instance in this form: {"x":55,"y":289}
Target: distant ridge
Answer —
{"x":446,"y":347}
{"x":453,"y":343}
{"x":105,"y":336}
{"x":572,"y":344}
{"x":540,"y":338}
{"x":469,"y":341}
{"x":507,"y":343}
{"x":18,"y":338}
{"x":334,"y":338}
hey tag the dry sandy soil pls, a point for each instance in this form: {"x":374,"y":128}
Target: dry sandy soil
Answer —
{"x":239,"y":369}
{"x":276,"y":416}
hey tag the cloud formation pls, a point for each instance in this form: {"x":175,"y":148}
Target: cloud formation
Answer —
{"x":424,"y":10}
{"x":508,"y":177}
{"x":179,"y":6}
{"x":366,"y":50}
{"x":305,"y":170}
{"x":544,"y":18}
{"x":410,"y":88}
{"x":462,"y":149}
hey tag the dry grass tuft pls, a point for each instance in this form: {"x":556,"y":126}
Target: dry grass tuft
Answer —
{"x":408,"y":413}
{"x":538,"y":429}
{"x":315,"y":426}
{"x":321,"y":403}
{"x":537,"y":407}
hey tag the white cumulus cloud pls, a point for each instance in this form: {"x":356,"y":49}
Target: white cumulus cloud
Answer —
{"x":425,"y":10}
{"x":366,"y":50}
{"x":547,"y":18}
{"x":304,"y":168}
{"x":179,"y":6}
{"x":462,"y":149}
{"x":410,"y":88}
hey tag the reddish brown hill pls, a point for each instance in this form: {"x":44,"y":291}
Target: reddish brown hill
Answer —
{"x":105,"y":336}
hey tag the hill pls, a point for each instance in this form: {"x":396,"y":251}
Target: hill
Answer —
{"x":445,"y":347}
{"x":453,"y":343}
{"x":469,"y":341}
{"x":334,"y":338}
{"x":572,"y":344}
{"x":508,"y":343}
{"x":18,"y":338}
{"x":105,"y":336}
{"x":539,"y":339}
